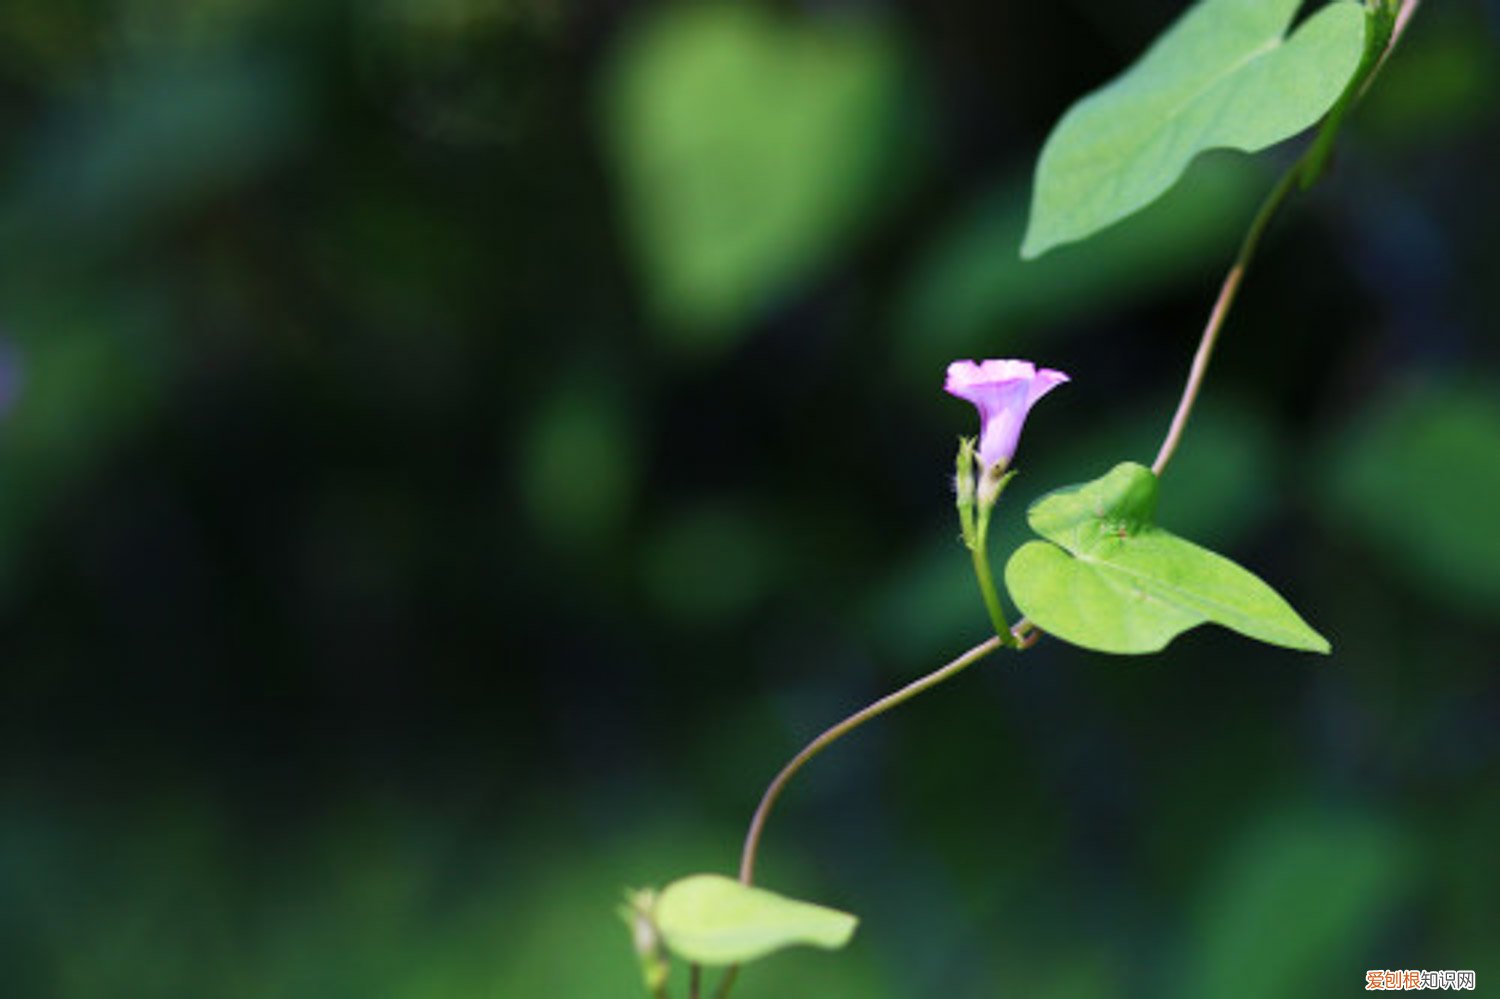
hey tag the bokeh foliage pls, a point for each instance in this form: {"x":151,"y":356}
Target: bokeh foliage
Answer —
{"x":455,"y":451}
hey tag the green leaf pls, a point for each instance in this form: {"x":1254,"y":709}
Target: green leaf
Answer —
{"x":749,"y":146}
{"x":1223,"y":76}
{"x":711,"y":919}
{"x":1111,"y":580}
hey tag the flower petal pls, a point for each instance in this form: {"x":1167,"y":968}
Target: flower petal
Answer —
{"x":1003,"y":391}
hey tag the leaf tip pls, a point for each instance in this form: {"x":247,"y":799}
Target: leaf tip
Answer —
{"x":1035,"y":243}
{"x":1304,"y":638}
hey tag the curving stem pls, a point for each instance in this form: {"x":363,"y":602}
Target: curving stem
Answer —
{"x":1022,"y":635}
{"x":1305,"y":170}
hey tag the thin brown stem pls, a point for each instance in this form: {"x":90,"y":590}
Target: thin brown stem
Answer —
{"x":1227,"y":292}
{"x":1403,"y":18}
{"x":727,"y":982}
{"x":843,"y":728}
{"x":773,"y":791}
{"x":1231,"y":286}
{"x":695,"y":981}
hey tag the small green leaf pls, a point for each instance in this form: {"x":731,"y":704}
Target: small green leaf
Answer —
{"x":1223,"y":76}
{"x":711,"y":919}
{"x":1111,"y":580}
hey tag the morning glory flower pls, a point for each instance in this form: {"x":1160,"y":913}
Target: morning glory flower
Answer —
{"x":1003,"y":392}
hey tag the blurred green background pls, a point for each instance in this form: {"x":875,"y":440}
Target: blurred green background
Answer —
{"x":456,"y":450}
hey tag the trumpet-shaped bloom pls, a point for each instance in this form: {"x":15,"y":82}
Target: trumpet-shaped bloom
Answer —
{"x":1003,"y":392}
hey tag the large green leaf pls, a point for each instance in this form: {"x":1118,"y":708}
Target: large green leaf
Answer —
{"x":1223,"y":76}
{"x":750,"y":146}
{"x":1109,"y":579}
{"x":711,"y":919}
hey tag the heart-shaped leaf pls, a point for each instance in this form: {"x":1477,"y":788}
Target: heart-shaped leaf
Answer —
{"x":714,"y":920}
{"x":1223,"y":76}
{"x":749,"y":145}
{"x":1109,"y":579}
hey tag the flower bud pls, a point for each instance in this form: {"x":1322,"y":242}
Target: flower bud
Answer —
{"x":963,"y":478}
{"x":963,"y":488}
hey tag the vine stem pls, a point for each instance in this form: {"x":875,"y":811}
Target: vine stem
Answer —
{"x":1403,"y":18}
{"x":838,"y":731}
{"x":1021,"y":636}
{"x":727,"y":982}
{"x":1024,"y":634}
{"x":1231,"y":286}
{"x":1227,"y":292}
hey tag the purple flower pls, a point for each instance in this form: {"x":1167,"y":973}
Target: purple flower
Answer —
{"x":1004,"y":392}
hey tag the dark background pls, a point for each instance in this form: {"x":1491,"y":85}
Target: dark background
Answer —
{"x":456,"y":450}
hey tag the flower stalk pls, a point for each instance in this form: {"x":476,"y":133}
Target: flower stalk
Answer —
{"x":994,"y":482}
{"x":1003,"y":391}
